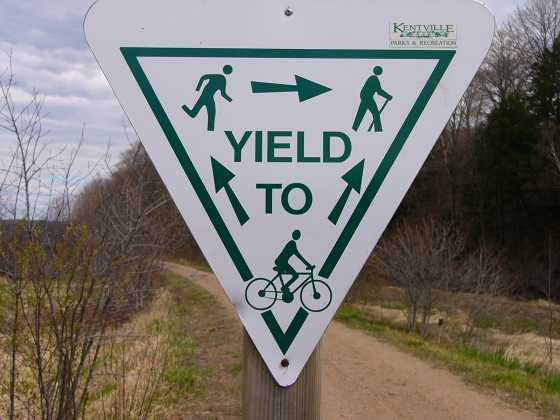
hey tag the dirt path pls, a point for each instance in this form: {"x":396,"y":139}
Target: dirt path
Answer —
{"x":364,"y":378}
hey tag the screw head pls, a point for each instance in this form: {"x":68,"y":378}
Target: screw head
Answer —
{"x":289,"y":12}
{"x":285,"y":363}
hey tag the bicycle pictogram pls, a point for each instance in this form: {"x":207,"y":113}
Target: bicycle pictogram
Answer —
{"x":315,"y":295}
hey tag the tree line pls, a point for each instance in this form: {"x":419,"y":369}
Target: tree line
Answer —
{"x":494,"y":174}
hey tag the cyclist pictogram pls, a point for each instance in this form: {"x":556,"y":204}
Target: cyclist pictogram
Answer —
{"x":315,"y":295}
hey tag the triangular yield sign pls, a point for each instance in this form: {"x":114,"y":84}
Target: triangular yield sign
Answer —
{"x":288,"y":140}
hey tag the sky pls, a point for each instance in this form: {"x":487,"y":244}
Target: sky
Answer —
{"x":50,"y":56}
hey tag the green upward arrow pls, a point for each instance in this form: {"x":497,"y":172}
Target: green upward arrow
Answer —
{"x":354,"y":180}
{"x":222,"y":178}
{"x":306,"y":89}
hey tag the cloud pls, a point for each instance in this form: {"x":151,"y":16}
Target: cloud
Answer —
{"x":60,"y":70}
{"x":74,"y":90}
{"x":76,"y":98}
{"x":44,"y":23}
{"x":50,"y":57}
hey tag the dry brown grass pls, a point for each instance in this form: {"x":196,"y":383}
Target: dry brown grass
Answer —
{"x":517,"y":326}
{"x":191,"y":343}
{"x":129,"y":376}
{"x":215,"y":356}
{"x":177,"y":359}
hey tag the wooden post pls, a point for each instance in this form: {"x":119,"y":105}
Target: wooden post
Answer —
{"x":264,"y":399}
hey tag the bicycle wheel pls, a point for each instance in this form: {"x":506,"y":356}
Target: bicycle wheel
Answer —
{"x":318,"y":298}
{"x":261,"y":294}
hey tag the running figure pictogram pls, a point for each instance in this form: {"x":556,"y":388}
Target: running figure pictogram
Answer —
{"x":215,"y":83}
{"x":367,"y":101}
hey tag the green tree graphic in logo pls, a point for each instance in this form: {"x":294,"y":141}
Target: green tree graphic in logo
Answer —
{"x":315,"y":295}
{"x":215,"y":83}
{"x":367,"y":101}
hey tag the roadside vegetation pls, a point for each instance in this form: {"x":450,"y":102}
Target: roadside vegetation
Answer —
{"x":204,"y":381}
{"x":491,"y":365}
{"x":176,"y":358}
{"x":467,"y":275}
{"x":79,"y":256}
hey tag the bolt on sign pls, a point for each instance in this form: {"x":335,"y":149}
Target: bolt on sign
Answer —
{"x":288,"y":134}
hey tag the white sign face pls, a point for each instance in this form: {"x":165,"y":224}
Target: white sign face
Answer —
{"x":288,"y":138}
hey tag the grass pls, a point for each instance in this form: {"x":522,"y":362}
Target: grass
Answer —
{"x":199,"y":265}
{"x":185,"y":380}
{"x":528,"y":383}
{"x":205,"y":343}
{"x":508,"y":316}
{"x":197,"y":358}
{"x":553,"y":383}
{"x":183,"y":376}
{"x":102,"y":392}
{"x":234,"y":368}
{"x":507,"y":325}
{"x":394,"y":306}
{"x":497,"y":358}
{"x":181,"y":352}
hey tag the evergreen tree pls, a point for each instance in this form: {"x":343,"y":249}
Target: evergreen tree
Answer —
{"x":508,"y":157}
{"x":545,"y":98}
{"x":545,"y":89}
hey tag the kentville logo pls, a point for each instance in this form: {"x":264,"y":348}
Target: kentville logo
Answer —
{"x":423,"y":35}
{"x":423,"y":31}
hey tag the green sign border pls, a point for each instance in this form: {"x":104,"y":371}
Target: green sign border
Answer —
{"x":443,"y":57}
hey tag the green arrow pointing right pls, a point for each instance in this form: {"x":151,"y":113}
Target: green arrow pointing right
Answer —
{"x":306,"y":89}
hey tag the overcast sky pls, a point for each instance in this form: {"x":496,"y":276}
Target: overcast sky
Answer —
{"x":50,"y":55}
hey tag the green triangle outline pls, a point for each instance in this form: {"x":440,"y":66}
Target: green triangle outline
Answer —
{"x":132,"y":55}
{"x":284,"y":339}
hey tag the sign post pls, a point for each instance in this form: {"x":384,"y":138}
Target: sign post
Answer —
{"x":288,"y":136}
{"x":263,"y":398}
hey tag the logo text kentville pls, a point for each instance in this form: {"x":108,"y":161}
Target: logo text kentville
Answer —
{"x":423,"y":35}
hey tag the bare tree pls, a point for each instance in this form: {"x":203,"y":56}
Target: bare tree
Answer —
{"x":421,"y":258}
{"x":507,"y":66}
{"x":523,"y":39}
{"x":535,"y":26}
{"x":483,"y":280}
{"x":132,"y":208}
{"x":21,"y":185}
{"x":72,"y":264}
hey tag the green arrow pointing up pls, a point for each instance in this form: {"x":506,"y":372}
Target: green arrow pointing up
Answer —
{"x":354,"y":180}
{"x":306,"y":89}
{"x":222,"y":178}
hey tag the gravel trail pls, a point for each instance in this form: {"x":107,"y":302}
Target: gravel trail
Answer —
{"x":364,"y":378}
